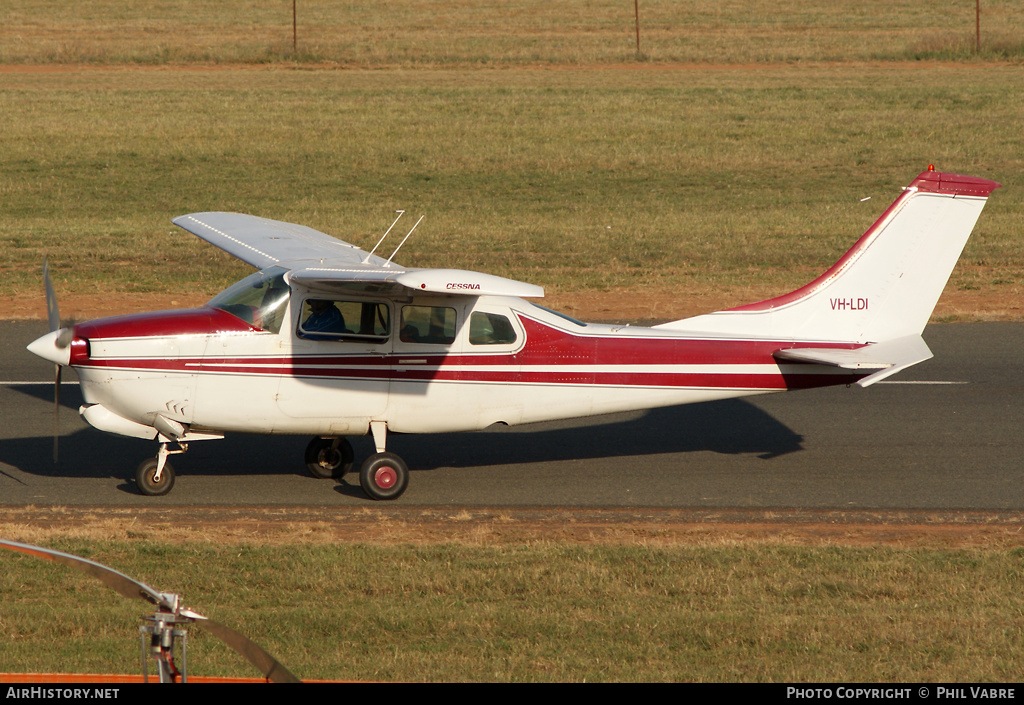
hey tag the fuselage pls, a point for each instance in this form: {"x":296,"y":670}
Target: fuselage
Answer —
{"x":421,"y":364}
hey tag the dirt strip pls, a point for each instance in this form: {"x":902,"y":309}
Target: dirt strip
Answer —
{"x":391,"y":524}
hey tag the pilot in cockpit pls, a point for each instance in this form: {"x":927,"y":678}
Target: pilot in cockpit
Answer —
{"x":324,"y":318}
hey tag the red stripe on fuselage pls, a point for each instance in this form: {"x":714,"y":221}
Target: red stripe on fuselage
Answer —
{"x":547,"y":347}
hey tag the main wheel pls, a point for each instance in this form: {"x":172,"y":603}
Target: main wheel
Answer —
{"x":145,"y":474}
{"x":384,"y":476}
{"x":329,"y":457}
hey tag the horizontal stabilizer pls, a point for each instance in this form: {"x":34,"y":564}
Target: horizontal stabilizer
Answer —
{"x":887,"y":358}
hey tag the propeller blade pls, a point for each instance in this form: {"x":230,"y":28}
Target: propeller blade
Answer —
{"x":252,"y":652}
{"x":52,"y":312}
{"x":56,"y":412}
{"x":119,"y":582}
{"x":65,"y":336}
{"x":269,"y":666}
{"x":53,"y":317}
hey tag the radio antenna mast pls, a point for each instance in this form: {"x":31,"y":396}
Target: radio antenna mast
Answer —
{"x":403,"y":241}
{"x":400,"y":214}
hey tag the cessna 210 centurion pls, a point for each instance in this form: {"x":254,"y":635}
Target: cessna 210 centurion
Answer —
{"x":330,"y":341}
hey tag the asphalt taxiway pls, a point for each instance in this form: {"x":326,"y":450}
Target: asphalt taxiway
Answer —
{"x":944,"y":435}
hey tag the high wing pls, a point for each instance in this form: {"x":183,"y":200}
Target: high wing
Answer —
{"x":264,"y":243}
{"x":318,"y":259}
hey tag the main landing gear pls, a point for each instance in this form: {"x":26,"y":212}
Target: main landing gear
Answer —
{"x":382,"y":476}
{"x":329,"y":457}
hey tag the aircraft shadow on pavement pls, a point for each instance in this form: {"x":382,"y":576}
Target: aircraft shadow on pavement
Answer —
{"x":731,"y":427}
{"x":70,"y":396}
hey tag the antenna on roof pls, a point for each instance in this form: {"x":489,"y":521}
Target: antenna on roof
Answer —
{"x":400,"y":214}
{"x":403,"y":240}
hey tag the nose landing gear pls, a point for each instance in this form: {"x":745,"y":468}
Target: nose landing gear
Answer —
{"x":155,"y":476}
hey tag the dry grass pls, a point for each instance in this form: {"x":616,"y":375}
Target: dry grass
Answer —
{"x":733,"y":157}
{"x":534,"y":595}
{"x":419,"y":33}
{"x":575,"y":180}
{"x":539,"y":611}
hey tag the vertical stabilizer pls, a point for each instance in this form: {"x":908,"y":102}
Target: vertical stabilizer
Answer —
{"x":888,"y":283}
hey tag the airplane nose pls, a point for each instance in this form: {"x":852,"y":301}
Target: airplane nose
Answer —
{"x":54,"y":346}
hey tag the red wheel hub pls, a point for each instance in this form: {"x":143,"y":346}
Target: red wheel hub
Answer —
{"x":385,"y":477}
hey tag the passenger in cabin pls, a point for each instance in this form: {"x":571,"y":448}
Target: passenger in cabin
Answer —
{"x":324,"y":318}
{"x":410,"y":334}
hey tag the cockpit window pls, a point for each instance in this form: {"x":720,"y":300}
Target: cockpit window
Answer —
{"x":260,"y":299}
{"x":338,"y":319}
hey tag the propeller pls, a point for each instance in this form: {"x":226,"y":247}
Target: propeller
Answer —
{"x":53,"y":316}
{"x":62,"y":341}
{"x":271,"y":669}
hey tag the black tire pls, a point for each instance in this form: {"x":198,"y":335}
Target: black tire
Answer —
{"x":324,"y":461}
{"x":384,"y":476}
{"x":145,"y":474}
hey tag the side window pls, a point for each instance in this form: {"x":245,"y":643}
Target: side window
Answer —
{"x":333,"y":319}
{"x":428,"y":324}
{"x":490,"y":329}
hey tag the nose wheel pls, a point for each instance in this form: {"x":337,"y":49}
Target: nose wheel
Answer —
{"x":155,"y":476}
{"x":152,"y":480}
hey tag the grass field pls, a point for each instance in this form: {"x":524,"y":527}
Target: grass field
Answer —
{"x":546,"y":611}
{"x":431,"y":33}
{"x":579,"y":174}
{"x":732,"y":152}
{"x":574,"y":180}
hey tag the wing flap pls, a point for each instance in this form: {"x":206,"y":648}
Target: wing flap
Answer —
{"x":887,"y":358}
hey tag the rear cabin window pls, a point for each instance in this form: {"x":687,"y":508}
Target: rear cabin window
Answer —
{"x":428,"y":324}
{"x":490,"y":329}
{"x":338,"y":319}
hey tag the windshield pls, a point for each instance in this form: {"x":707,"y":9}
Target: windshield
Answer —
{"x":260,"y":299}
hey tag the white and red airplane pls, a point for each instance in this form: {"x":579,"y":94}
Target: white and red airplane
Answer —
{"x":330,"y":341}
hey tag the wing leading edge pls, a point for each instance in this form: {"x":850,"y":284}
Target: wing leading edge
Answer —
{"x":318,"y":259}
